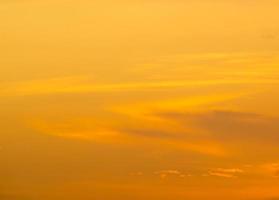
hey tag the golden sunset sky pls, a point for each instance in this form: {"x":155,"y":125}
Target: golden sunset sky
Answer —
{"x":139,"y":100}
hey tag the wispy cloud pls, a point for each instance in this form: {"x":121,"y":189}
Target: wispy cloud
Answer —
{"x":83,"y":84}
{"x":112,"y":135}
{"x":165,"y":173}
{"x":225,"y":172}
{"x":232,"y":126}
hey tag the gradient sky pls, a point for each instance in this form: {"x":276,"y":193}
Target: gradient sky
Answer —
{"x":139,"y":99}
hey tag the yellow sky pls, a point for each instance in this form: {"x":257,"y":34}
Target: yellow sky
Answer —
{"x":143,"y":99}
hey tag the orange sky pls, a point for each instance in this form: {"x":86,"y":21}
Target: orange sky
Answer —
{"x":143,"y":99}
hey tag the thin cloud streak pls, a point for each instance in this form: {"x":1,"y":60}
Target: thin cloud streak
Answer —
{"x":79,"y":85}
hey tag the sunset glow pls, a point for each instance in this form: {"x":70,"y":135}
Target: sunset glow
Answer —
{"x":139,"y":100}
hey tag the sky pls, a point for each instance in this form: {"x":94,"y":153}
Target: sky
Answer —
{"x":140,"y":99}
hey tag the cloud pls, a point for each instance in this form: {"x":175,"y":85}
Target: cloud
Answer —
{"x":226,"y":125}
{"x":158,"y":109}
{"x":83,"y":84}
{"x":109,"y":134}
{"x":139,"y":124}
{"x":225,"y":172}
{"x":165,"y":173}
